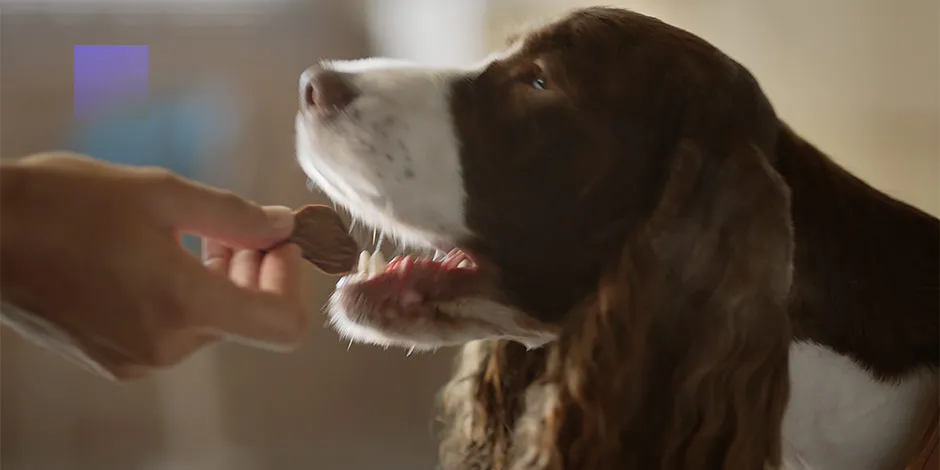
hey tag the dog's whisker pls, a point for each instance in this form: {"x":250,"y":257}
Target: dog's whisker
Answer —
{"x":378,"y":245}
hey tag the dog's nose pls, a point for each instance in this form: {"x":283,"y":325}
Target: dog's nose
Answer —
{"x":325,"y":91}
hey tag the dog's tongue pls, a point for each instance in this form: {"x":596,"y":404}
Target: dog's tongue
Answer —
{"x":324,"y":239}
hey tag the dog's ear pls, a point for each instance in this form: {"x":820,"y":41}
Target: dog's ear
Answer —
{"x":680,"y":361}
{"x":480,"y":406}
{"x":722,"y":246}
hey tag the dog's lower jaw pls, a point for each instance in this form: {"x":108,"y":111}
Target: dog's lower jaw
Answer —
{"x":428,"y":327}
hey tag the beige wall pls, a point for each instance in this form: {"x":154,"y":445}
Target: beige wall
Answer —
{"x":857,"y":77}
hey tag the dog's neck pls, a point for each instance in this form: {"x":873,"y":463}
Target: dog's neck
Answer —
{"x":866,"y":266}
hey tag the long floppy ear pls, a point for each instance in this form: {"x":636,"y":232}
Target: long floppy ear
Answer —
{"x":480,"y":406}
{"x":680,"y":361}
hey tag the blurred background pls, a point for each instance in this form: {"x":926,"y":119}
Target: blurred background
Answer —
{"x":208,"y":88}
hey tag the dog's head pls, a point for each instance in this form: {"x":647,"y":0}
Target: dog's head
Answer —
{"x":606,"y":181}
{"x":536,"y":164}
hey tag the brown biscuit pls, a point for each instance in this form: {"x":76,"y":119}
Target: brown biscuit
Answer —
{"x":324,"y":240}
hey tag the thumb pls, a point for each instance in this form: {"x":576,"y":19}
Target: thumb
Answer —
{"x":191,"y":207}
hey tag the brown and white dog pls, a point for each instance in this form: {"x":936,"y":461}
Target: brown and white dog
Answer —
{"x":646,"y":268}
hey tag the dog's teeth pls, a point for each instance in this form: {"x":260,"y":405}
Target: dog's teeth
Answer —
{"x":438,"y":255}
{"x":406,"y":262}
{"x":377,"y":264}
{"x":464,"y":264}
{"x":364,"y":261}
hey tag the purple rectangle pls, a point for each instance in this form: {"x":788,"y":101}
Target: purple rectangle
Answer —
{"x":104,"y":76}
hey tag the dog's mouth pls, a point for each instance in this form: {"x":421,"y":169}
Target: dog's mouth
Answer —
{"x":425,"y":302}
{"x":410,"y":281}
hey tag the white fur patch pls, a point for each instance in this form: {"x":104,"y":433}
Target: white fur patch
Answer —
{"x":391,"y":157}
{"x":840,"y":418}
{"x":468,"y":320}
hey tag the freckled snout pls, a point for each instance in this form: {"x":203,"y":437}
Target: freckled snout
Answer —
{"x":324,"y":91}
{"x":377,"y":136}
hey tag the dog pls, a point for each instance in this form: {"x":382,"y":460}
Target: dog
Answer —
{"x":644,"y":266}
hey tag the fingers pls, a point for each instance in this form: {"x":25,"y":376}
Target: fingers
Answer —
{"x":191,"y":207}
{"x":261,"y":304}
{"x":282,"y":273}
{"x":245,"y":269}
{"x":279,"y":271}
{"x":216,"y":256}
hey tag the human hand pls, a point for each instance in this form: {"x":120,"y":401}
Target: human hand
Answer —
{"x":91,"y":264}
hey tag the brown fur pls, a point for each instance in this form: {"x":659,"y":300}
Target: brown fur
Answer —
{"x":660,"y":168}
{"x":634,"y":382}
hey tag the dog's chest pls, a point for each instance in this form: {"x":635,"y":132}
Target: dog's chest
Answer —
{"x":840,"y":418}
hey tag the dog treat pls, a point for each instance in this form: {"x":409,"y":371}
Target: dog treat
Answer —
{"x":324,"y":239}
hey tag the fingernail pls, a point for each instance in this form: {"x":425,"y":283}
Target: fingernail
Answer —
{"x":280,"y":218}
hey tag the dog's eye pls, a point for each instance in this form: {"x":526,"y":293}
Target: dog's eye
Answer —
{"x":532,"y":77}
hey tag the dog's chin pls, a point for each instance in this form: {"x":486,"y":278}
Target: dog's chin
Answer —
{"x":415,"y":329}
{"x":424,"y":303}
{"x":429,"y":327}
